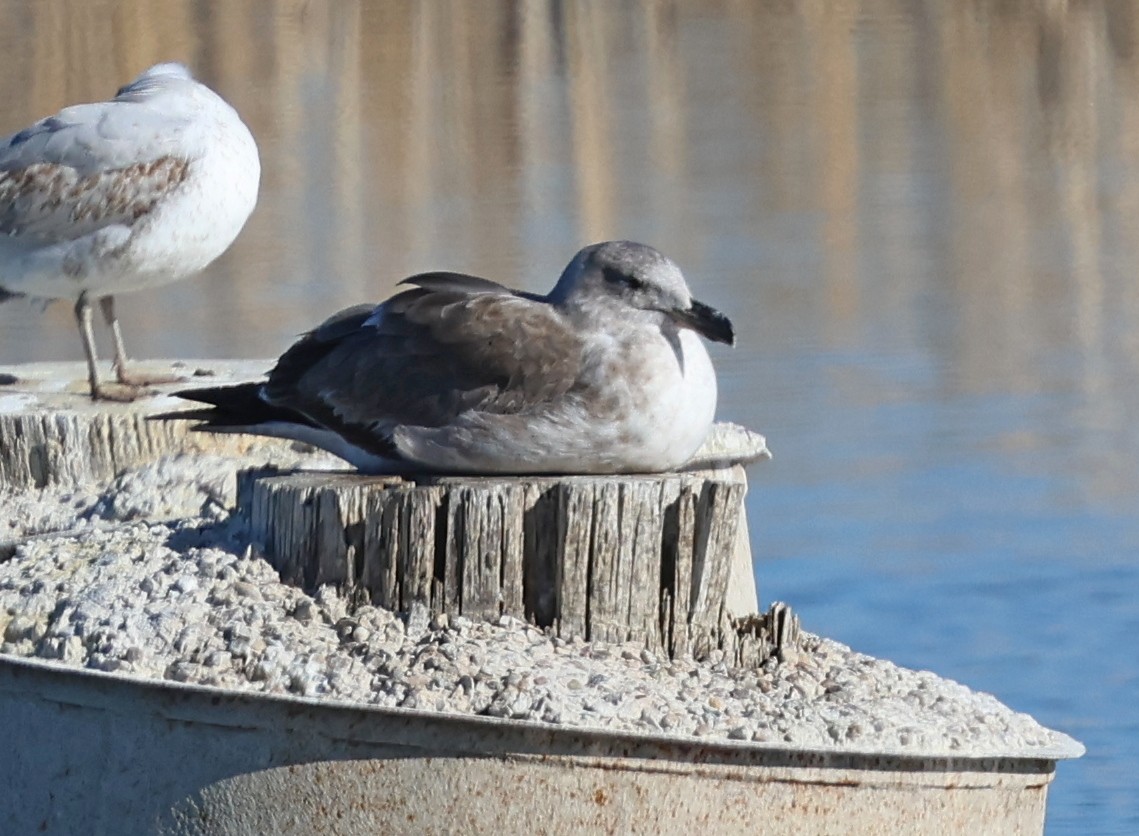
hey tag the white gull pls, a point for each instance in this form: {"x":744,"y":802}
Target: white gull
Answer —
{"x":116,"y":196}
{"x":605,"y":374}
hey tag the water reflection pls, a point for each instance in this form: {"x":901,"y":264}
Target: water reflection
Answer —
{"x":924,"y":218}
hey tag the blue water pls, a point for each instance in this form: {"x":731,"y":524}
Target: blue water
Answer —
{"x":994,"y":569}
{"x":923,"y":218}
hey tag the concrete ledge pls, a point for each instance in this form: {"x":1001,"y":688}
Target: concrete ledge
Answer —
{"x":97,"y":752}
{"x":127,"y":756}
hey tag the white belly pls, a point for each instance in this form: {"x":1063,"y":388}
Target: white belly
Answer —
{"x":677,"y":405}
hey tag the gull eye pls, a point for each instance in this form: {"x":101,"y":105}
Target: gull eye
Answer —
{"x":620,"y":277}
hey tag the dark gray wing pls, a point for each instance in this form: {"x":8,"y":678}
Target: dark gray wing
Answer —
{"x":442,"y":281}
{"x":451,"y":345}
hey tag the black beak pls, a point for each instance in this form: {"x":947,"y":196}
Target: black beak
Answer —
{"x":707,"y":321}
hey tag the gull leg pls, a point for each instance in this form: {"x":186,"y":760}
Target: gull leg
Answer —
{"x":107,"y":303}
{"x":87,"y":334}
{"x":99,"y":391}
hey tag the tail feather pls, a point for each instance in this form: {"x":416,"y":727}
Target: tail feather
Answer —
{"x":241,"y":409}
{"x":233,"y":408}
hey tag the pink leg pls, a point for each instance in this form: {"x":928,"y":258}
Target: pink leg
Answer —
{"x":99,"y":391}
{"x":127,"y":378}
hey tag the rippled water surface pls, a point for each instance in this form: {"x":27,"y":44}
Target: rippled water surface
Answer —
{"x":923,"y":217}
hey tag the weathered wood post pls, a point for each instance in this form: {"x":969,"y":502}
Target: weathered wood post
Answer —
{"x":613,"y":558}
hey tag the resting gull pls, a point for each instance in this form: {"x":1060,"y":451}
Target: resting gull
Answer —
{"x":605,"y":374}
{"x":115,"y":196}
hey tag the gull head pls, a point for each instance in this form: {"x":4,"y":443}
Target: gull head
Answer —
{"x":156,"y":79}
{"x":636,"y":276}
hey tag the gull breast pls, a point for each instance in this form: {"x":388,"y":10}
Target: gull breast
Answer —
{"x":654,"y":400}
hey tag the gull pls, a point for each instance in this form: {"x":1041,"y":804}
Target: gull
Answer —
{"x":458,"y":374}
{"x":116,"y":196}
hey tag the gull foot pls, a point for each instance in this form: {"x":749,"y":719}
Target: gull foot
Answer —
{"x":120,"y":392}
{"x":133,"y":378}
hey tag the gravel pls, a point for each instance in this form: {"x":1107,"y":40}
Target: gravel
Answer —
{"x":153,"y":578}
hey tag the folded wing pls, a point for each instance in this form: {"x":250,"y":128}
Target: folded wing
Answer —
{"x":88,"y":167}
{"x":452,"y":344}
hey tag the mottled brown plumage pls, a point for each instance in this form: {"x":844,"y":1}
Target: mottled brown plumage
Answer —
{"x":54,"y":202}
